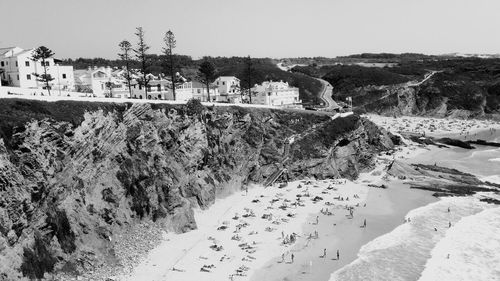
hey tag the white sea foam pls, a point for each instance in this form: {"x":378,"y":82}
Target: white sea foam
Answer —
{"x":403,"y":253}
{"x":494,"y":159}
{"x":473,"y":245}
{"x":493,"y":179}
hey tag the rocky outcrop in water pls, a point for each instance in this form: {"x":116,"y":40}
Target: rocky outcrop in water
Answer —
{"x":77,"y":178}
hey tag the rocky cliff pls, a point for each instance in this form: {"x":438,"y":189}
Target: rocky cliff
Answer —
{"x":75,"y":178}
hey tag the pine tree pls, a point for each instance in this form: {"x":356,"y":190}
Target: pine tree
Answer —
{"x":43,"y":53}
{"x":170,"y":44}
{"x":141,"y":55}
{"x":207,"y":73}
{"x":249,"y":73}
{"x":125,"y":48}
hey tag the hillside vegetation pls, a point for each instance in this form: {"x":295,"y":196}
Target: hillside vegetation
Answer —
{"x":463,"y":87}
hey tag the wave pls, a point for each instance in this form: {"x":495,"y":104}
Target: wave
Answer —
{"x":493,"y":179}
{"x":494,"y":159}
{"x":403,"y":253}
{"x":473,"y":246}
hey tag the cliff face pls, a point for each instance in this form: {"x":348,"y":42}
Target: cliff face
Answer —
{"x":74,"y":177}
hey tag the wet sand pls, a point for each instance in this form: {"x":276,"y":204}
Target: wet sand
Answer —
{"x":385,"y":209}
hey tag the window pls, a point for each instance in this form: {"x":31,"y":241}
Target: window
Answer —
{"x":199,"y":91}
{"x":64,"y":76}
{"x":47,"y":63}
{"x":18,"y":77}
{"x":27,"y":63}
{"x":1,"y":63}
{"x":217,"y":81}
{"x":223,"y":83}
{"x":28,"y":76}
{"x":17,"y":66}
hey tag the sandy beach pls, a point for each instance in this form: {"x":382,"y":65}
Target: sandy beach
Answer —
{"x":240,"y":233}
{"x":438,"y":127}
{"x":385,"y":209}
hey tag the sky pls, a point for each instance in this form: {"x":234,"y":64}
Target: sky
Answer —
{"x":259,"y":28}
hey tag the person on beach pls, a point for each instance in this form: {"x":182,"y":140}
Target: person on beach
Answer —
{"x":364,"y":223}
{"x":317,"y":219}
{"x":449,"y":224}
{"x":293,"y":257}
{"x":448,"y":209}
{"x":324,"y":253}
{"x":283,"y":257}
{"x":338,"y":255}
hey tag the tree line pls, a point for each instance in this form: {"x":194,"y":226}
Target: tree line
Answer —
{"x":138,"y":56}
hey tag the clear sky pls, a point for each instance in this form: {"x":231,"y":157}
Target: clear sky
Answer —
{"x":260,"y":28}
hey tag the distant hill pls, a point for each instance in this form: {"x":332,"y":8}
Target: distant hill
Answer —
{"x":464,"y":87}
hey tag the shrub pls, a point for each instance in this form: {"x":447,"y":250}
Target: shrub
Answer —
{"x":38,"y":260}
{"x":194,"y":107}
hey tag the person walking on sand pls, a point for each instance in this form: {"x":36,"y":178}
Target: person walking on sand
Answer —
{"x":283,"y":257}
{"x":317,"y":219}
{"x":364,"y":223}
{"x":293,"y":257}
{"x":448,"y":209}
{"x":324,"y":253}
{"x":338,"y":255}
{"x":449,"y":224}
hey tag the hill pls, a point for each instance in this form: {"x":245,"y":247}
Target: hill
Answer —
{"x":465,"y":87}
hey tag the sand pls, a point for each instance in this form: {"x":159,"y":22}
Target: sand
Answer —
{"x":182,"y":256}
{"x":385,"y":209}
{"x":438,"y":127}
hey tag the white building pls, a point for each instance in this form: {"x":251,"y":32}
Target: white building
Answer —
{"x":196,"y":90}
{"x":229,"y":89}
{"x":276,"y":94}
{"x":96,"y":80}
{"x":17,"y":69}
{"x":159,"y":89}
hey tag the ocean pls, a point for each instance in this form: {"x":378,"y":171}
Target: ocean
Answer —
{"x":426,"y":247}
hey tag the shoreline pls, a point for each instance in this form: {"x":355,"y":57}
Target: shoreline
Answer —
{"x":385,"y":210}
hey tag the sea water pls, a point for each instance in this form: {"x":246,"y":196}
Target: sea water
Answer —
{"x":403,"y":253}
{"x":469,"y":251}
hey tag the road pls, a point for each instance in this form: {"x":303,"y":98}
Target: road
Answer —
{"x":326,"y":95}
{"x":426,"y":77}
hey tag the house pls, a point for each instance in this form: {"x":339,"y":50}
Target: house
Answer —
{"x":159,"y":89}
{"x":196,"y":90}
{"x":276,"y":94}
{"x":229,"y":89}
{"x":17,"y":69}
{"x":93,"y":80}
